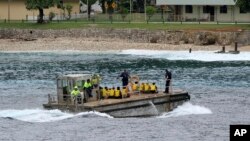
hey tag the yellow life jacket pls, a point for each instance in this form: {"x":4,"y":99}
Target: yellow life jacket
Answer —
{"x":75,"y":92}
{"x":124,"y":93}
{"x":141,"y":87}
{"x":87,"y":85}
{"x":104,"y":93}
{"x":94,"y":81}
{"x":146,"y":87}
{"x":134,"y":87}
{"x":112,"y":92}
{"x":117,"y":93}
{"x":152,"y":87}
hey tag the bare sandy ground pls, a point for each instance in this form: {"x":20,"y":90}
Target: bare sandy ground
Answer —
{"x":95,"y":44}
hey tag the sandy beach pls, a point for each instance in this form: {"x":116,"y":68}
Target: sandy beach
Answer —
{"x":96,"y":44}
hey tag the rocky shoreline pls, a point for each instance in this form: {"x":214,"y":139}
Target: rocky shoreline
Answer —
{"x":118,"y":39}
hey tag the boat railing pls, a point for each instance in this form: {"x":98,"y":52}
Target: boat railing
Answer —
{"x":51,"y":99}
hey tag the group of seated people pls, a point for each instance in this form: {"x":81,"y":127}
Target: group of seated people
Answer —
{"x":126,"y":91}
{"x":148,"y":88}
{"x":114,"y":92}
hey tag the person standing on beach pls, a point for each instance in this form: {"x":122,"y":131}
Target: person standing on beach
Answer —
{"x":168,"y":77}
{"x":125,"y":76}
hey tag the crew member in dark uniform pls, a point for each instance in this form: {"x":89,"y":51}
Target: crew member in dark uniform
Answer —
{"x":168,"y":77}
{"x":125,"y":76}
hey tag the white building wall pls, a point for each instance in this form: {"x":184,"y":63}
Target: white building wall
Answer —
{"x":233,"y":14}
{"x":225,"y":17}
{"x":241,"y":17}
{"x":192,"y":16}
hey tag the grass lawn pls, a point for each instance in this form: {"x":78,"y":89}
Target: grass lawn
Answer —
{"x":150,"y":26}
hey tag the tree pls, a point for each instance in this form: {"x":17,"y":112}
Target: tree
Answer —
{"x":150,"y":10}
{"x":69,"y":7}
{"x":244,"y":4}
{"x":111,"y":5}
{"x":89,"y":3}
{"x":102,"y":3}
{"x":123,"y":6}
{"x":124,"y":12}
{"x":40,"y":5}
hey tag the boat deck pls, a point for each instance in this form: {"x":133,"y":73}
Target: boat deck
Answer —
{"x":133,"y":97}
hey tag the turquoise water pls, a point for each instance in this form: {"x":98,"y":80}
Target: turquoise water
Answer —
{"x":219,"y":86}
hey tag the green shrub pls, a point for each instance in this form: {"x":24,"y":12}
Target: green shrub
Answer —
{"x":150,"y":10}
{"x":52,"y":15}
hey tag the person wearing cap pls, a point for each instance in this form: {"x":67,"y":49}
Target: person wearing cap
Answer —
{"x":88,"y":88}
{"x":75,"y":92}
{"x":168,"y":77}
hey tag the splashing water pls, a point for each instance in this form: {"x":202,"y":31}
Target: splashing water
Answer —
{"x":186,"y":109}
{"x":185,"y":55}
{"x":39,"y":115}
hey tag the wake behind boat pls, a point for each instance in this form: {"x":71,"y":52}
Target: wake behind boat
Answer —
{"x":138,"y":104}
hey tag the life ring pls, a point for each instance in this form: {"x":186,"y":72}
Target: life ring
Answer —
{"x":134,"y":78}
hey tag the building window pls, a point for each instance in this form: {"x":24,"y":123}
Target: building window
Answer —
{"x":189,"y":9}
{"x":223,"y":9}
{"x":206,"y":9}
{"x":242,"y":11}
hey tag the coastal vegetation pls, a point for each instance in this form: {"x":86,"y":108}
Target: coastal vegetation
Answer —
{"x":40,"y":5}
{"x":89,"y":4}
{"x":244,"y":4}
{"x":150,"y":11}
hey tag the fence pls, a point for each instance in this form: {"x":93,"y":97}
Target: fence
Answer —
{"x":133,"y":17}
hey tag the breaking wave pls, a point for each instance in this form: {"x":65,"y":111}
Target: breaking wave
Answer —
{"x":186,"y":109}
{"x":185,"y":55}
{"x":39,"y":115}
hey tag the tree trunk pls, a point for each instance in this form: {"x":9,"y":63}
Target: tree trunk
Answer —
{"x":103,"y":7}
{"x":89,"y":11}
{"x":40,"y":16}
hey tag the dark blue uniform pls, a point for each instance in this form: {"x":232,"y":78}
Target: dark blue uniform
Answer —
{"x":168,"y":77}
{"x":125,"y":77}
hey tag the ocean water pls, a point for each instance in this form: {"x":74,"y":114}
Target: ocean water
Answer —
{"x":219,"y":85}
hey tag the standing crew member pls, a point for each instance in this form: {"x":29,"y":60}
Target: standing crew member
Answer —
{"x":88,"y":88}
{"x":125,"y":76}
{"x":168,"y":77}
{"x":95,"y":80}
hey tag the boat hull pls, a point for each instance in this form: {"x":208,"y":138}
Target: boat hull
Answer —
{"x":136,"y":106}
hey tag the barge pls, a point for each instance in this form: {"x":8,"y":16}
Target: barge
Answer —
{"x":137,"y":105}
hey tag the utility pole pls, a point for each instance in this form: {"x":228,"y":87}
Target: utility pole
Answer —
{"x":130,"y":10}
{"x":88,"y":9}
{"x":145,"y":4}
{"x":8,"y":10}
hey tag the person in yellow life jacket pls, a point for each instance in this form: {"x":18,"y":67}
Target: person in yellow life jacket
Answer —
{"x":124,"y":92}
{"x":153,"y":88}
{"x":142,"y":87}
{"x":118,"y":93}
{"x":95,"y":80}
{"x":88,"y":88}
{"x":146,"y":88}
{"x":135,"y":87}
{"x":112,"y":93}
{"x":75,"y":92}
{"x":105,"y":93}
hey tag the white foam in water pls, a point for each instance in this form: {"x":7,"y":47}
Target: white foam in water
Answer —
{"x":186,"y":109}
{"x":185,"y":55}
{"x":39,"y":115}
